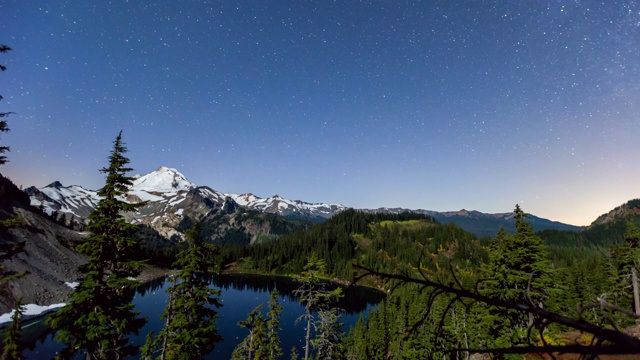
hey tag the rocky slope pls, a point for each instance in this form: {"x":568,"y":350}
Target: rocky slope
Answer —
{"x":50,"y":263}
{"x":626,"y":211}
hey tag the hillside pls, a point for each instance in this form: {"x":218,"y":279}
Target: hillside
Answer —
{"x":607,"y":230}
{"x":352,"y":236}
{"x":46,"y":257}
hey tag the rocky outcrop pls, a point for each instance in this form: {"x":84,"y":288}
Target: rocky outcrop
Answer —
{"x":626,"y":211}
{"x":47,"y":258}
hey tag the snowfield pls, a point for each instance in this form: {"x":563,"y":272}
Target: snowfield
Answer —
{"x":30,"y":311}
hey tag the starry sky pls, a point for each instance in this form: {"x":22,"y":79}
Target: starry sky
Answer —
{"x":440,"y":105}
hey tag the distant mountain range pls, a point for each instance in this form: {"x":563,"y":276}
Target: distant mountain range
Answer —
{"x":483,"y":224}
{"x":171,"y":198}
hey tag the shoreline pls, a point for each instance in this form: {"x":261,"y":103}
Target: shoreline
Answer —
{"x":150,"y":273}
{"x":34,"y":312}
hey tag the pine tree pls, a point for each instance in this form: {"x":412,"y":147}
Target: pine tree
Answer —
{"x":518,"y":270}
{"x":273,"y":326}
{"x":6,"y":252}
{"x":294,"y":353}
{"x":314,"y":296}
{"x":329,"y":335}
{"x":257,"y":332}
{"x":3,"y":123}
{"x":11,"y":344}
{"x":624,"y":268}
{"x":99,"y":315}
{"x":190,"y":329}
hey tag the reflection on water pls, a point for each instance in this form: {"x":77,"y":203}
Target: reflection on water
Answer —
{"x":239,"y":295}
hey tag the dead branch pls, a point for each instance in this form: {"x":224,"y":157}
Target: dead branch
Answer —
{"x":620,"y":343}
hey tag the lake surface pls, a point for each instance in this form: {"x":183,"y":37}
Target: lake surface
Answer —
{"x":239,"y":295}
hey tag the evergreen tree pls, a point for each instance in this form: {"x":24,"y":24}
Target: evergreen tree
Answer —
{"x":6,"y":252}
{"x":329,"y":335}
{"x":273,"y":326}
{"x":3,"y":123}
{"x":189,"y":331}
{"x":518,"y":270}
{"x":99,"y":315}
{"x":314,"y":296}
{"x":356,"y":343}
{"x":254,"y":345}
{"x":632,"y":239}
{"x":11,"y":344}
{"x":294,"y":353}
{"x":624,"y":269}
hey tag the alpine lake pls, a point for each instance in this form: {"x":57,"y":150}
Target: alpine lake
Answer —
{"x":239,"y":295}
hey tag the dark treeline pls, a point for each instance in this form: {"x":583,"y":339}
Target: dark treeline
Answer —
{"x":332,"y":241}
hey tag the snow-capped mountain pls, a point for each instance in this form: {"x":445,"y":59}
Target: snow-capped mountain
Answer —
{"x":170,"y":197}
{"x":65,"y":203}
{"x":164,"y":180}
{"x":289,"y":208}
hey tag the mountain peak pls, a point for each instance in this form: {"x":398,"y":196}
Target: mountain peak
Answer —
{"x":56,"y":184}
{"x":163,"y":180}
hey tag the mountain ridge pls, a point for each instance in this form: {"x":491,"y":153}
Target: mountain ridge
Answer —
{"x":171,"y":197}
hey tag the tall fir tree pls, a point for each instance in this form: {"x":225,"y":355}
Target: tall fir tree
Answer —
{"x":3,"y":123}
{"x":253,"y":347}
{"x":328,"y":335}
{"x":99,"y":315}
{"x":314,"y":296}
{"x":11,"y":344}
{"x":190,"y":329}
{"x":632,"y":239}
{"x":12,"y":349}
{"x":518,"y":270}
{"x":273,"y":326}
{"x":624,"y":271}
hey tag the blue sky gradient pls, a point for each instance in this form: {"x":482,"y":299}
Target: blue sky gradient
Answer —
{"x":440,"y":105}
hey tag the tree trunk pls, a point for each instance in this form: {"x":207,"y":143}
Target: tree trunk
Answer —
{"x":636,"y":295}
{"x":307,"y":338}
{"x":168,"y":322}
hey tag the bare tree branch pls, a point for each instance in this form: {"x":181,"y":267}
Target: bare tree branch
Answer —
{"x":621,"y":343}
{"x":560,"y":349}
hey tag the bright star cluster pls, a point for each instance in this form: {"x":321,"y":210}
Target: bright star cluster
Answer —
{"x":439,"y":105}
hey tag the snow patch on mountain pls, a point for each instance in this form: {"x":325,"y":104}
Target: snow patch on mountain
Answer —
{"x":163,"y":180}
{"x":30,"y":311}
{"x":279,"y":205}
{"x":170,"y":197}
{"x":72,"y":199}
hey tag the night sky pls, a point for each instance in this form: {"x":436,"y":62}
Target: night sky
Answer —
{"x":439,"y":105}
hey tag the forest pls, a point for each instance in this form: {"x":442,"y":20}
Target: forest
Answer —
{"x":561,"y":274}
